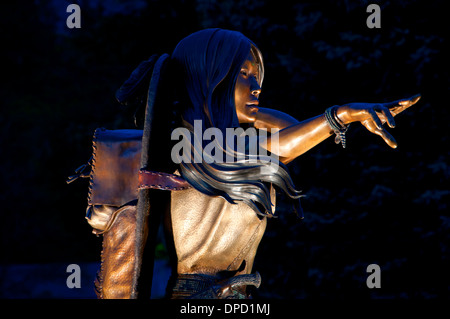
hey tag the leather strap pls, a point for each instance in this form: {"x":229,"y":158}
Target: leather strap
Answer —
{"x":164,"y":181}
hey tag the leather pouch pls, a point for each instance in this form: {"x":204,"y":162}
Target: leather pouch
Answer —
{"x":114,"y":178}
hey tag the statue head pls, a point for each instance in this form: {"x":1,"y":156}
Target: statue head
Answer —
{"x":210,"y":62}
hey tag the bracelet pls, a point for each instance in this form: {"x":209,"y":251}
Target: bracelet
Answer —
{"x":336,"y":125}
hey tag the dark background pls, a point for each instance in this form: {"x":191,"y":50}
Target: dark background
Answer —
{"x":365,"y":204}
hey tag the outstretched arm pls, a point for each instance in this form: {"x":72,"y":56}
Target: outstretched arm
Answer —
{"x":273,"y":119}
{"x":295,"y":138}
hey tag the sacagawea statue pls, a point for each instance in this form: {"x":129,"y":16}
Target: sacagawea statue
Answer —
{"x":214,"y":211}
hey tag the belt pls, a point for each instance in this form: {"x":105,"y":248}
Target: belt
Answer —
{"x":199,"y":286}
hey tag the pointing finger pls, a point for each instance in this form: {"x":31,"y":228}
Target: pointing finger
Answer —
{"x":404,"y":102}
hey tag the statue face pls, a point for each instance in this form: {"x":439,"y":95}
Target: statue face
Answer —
{"x":247,"y":91}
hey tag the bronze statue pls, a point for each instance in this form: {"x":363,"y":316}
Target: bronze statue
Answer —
{"x":217,"y":217}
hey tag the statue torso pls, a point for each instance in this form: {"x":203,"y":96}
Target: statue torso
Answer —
{"x":213,"y":235}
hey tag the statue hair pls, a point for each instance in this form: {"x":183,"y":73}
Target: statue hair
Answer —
{"x":203,"y":72}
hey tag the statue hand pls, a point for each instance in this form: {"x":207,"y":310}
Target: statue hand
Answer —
{"x":374,"y":115}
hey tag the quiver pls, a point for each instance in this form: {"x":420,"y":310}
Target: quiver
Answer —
{"x":126,"y":177}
